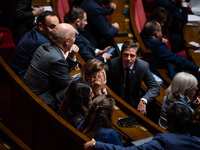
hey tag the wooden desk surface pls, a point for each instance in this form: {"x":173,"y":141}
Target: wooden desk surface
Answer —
{"x":192,"y":34}
{"x":123,"y":20}
{"x":135,"y":132}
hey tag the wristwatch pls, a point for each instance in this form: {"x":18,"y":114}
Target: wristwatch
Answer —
{"x":143,"y":102}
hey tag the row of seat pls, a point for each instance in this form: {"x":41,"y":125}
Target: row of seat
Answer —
{"x":7,"y":46}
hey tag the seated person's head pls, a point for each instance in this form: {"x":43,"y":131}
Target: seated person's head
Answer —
{"x":162,"y":16}
{"x":63,"y":36}
{"x":77,"y":17}
{"x":179,"y":118}
{"x":99,"y":115}
{"x":152,"y":29}
{"x":91,"y":68}
{"x":77,"y":99}
{"x":46,"y":22}
{"x":130,"y":51}
{"x":183,"y":86}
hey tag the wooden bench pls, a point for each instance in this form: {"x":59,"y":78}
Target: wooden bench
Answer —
{"x":145,"y":129}
{"x":10,"y":141}
{"x":30,"y":119}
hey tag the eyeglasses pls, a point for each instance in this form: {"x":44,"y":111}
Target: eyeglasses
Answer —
{"x":52,"y":26}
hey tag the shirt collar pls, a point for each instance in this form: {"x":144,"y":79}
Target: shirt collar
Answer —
{"x":76,"y":31}
{"x":62,"y":52}
{"x":131,"y":67}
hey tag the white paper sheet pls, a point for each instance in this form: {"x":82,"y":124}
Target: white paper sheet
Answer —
{"x":195,"y":6}
{"x":193,"y":18}
{"x":119,"y":46}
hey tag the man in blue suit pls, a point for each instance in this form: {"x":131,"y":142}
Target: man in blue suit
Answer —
{"x":77,"y":17}
{"x":180,"y":119}
{"x":25,"y":49}
{"x":161,"y":57}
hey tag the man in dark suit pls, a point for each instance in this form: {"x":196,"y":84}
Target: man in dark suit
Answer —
{"x":98,"y":27}
{"x":25,"y":49}
{"x":161,"y":57}
{"x":51,"y":64}
{"x":180,"y":119}
{"x":77,"y":17}
{"x":138,"y":71}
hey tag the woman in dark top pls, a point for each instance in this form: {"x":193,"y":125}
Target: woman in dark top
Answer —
{"x":97,"y":123}
{"x":76,"y":102}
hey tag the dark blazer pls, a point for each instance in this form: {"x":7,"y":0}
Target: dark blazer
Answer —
{"x":162,"y":141}
{"x":161,"y":57}
{"x":48,"y":72}
{"x":23,"y":19}
{"x":141,"y":72}
{"x":86,"y":50}
{"x":108,"y":136}
{"x":24,"y":51}
{"x":98,"y":25}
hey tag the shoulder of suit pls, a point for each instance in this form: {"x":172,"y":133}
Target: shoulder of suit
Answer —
{"x":140,"y":61}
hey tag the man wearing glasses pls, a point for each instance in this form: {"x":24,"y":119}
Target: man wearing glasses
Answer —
{"x":25,"y":49}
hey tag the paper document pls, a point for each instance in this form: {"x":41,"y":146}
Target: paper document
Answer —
{"x":194,"y":44}
{"x":142,"y":141}
{"x":49,"y":8}
{"x":119,"y":45}
{"x":158,"y":80}
{"x":197,"y":51}
{"x":195,"y":4}
{"x":193,"y":18}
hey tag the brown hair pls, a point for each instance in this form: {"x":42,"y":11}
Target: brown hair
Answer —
{"x":99,"y":115}
{"x":131,"y":44}
{"x":159,"y":14}
{"x":91,"y":66}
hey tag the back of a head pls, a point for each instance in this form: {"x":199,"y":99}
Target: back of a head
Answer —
{"x":91,"y":66}
{"x":150,"y":28}
{"x":180,"y":116}
{"x":99,"y":115}
{"x":76,"y":98}
{"x":182,"y":82}
{"x":131,"y":44}
{"x":76,"y":12}
{"x":41,"y":18}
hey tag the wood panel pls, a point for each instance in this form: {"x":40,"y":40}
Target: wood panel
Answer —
{"x":30,"y":119}
{"x":192,"y":34}
{"x":10,"y":141}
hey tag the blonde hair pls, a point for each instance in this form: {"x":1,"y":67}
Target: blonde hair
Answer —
{"x":181,"y":83}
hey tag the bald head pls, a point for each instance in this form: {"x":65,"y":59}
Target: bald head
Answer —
{"x":63,"y":36}
{"x":150,"y":27}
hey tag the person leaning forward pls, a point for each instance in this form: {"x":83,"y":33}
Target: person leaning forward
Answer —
{"x":51,"y":64}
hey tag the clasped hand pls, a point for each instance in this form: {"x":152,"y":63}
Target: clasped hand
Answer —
{"x":98,"y":83}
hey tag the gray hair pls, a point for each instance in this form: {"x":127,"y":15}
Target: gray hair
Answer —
{"x":181,"y":83}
